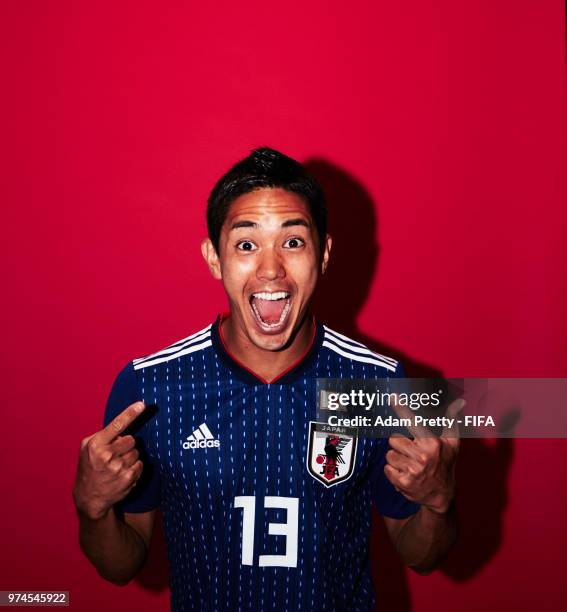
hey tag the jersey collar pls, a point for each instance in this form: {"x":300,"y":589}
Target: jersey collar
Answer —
{"x":250,"y":377}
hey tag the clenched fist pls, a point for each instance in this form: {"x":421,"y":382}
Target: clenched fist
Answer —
{"x":109,"y":465}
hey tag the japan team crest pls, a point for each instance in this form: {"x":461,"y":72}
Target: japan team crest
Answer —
{"x":331,"y":453}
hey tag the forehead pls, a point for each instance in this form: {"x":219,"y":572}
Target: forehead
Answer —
{"x":268,"y":204}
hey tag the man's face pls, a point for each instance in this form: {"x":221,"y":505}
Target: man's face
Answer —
{"x":269,"y":261}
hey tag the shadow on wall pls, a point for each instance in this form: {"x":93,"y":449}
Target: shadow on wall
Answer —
{"x":483,"y":468}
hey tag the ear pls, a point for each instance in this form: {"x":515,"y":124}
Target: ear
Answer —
{"x":326,"y":253}
{"x":211,"y":257}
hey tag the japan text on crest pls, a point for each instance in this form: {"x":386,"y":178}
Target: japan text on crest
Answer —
{"x":331,"y":453}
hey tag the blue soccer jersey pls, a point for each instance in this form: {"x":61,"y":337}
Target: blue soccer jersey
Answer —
{"x":261,"y":511}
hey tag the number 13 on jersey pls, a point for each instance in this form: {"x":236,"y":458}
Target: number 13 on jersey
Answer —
{"x":287,"y":529}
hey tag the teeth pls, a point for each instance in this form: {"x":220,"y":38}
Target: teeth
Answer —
{"x":278,"y":295}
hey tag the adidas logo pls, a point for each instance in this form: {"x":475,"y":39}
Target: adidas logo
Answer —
{"x":201,"y":438}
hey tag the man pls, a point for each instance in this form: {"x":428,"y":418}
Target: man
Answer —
{"x":227,"y":453}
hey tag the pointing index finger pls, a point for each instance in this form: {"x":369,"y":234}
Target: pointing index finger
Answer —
{"x":120,"y":422}
{"x":452,"y":411}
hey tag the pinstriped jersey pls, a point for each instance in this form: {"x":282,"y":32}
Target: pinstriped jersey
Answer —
{"x":232,"y":461}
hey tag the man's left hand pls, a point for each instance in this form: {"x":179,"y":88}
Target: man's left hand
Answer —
{"x":423,"y":469}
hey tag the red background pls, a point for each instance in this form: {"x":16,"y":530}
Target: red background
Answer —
{"x":437,"y":128}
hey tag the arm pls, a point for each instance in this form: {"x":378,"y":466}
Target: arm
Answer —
{"x":109,"y":468}
{"x":424,"y":539}
{"x":117,"y":548}
{"x":423,"y":471}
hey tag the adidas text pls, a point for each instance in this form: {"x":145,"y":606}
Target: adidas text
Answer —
{"x":201,"y":444}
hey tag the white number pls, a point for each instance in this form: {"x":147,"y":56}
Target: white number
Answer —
{"x":248,"y":504}
{"x":287,"y":529}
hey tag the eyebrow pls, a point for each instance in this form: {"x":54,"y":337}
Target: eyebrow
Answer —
{"x":288,"y":223}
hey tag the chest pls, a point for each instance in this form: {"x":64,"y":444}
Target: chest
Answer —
{"x":229,"y":440}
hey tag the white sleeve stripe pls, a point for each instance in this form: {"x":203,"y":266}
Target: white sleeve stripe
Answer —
{"x":175,"y":347}
{"x":187,"y":351}
{"x":359,"y":348}
{"x":355,"y":357}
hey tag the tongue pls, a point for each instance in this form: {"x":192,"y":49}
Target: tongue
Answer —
{"x":270,"y":310}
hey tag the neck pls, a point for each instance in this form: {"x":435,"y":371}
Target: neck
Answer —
{"x":266,"y":364}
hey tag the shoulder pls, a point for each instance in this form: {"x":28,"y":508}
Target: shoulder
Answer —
{"x":358,"y":353}
{"x":197,"y":341}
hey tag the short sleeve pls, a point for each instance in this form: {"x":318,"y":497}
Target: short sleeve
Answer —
{"x":145,"y":496}
{"x":389,"y":502}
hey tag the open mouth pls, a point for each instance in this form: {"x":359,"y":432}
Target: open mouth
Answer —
{"x":271,"y":309}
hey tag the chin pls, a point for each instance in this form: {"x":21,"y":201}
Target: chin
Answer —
{"x":270,"y":341}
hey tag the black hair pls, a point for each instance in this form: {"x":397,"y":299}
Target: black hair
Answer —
{"x":265,"y":167}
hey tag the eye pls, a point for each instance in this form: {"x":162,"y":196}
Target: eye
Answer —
{"x":293,"y":243}
{"x":246,"y":245}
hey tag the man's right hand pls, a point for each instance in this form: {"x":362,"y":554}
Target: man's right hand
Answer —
{"x":109,"y":466}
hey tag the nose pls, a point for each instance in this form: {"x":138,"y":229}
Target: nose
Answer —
{"x":270,"y":265}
